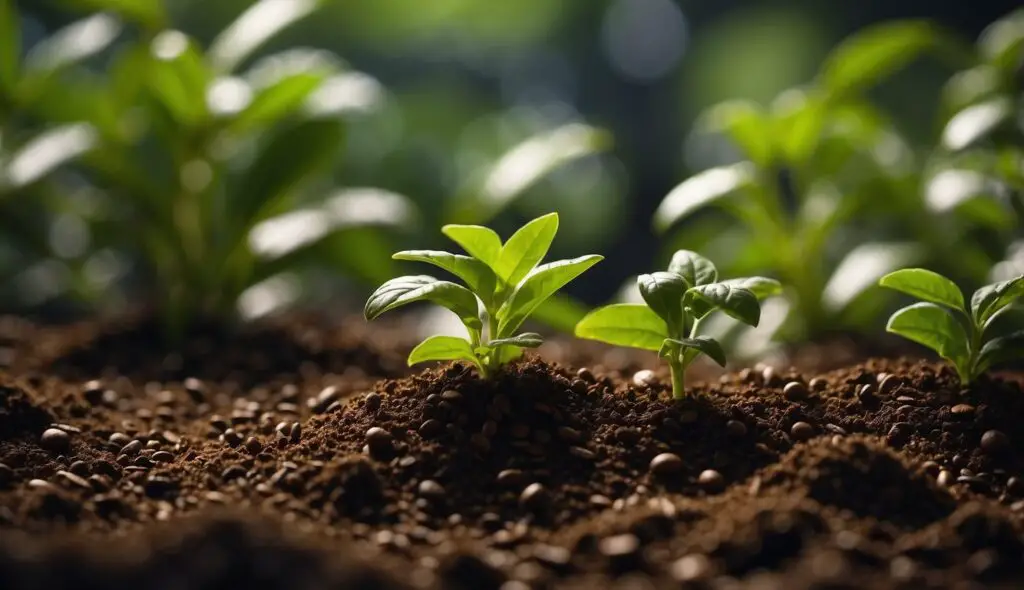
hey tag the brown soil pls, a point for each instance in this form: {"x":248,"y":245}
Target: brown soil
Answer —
{"x":271,"y":462}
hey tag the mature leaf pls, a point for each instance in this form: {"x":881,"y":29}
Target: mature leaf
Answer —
{"x":477,"y":275}
{"x":991,"y":299}
{"x":672,"y":348}
{"x":761,"y":287}
{"x":78,"y":41}
{"x":46,"y":152}
{"x":925,"y":285}
{"x":541,"y":283}
{"x":701,"y":190}
{"x":405,"y":290}
{"x":868,"y":56}
{"x":624,"y":324}
{"x":178,"y":77}
{"x":278,"y":100}
{"x":734,"y":301}
{"x":478,"y":241}
{"x":261,"y":21}
{"x":975,"y":123}
{"x":745,"y":124}
{"x":799,"y":119}
{"x":288,"y":159}
{"x":10,"y":46}
{"x":694,"y":268}
{"x":663,"y":292}
{"x":934,"y":327}
{"x":524,"y":340}
{"x":527,"y":163}
{"x":526,"y":248}
{"x":149,"y":13}
{"x":1002,"y":42}
{"x":443,"y":348}
{"x":1001,"y":350}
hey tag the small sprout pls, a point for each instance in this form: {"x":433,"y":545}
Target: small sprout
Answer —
{"x":504,"y":285}
{"x":943,"y":322}
{"x":677,"y":302}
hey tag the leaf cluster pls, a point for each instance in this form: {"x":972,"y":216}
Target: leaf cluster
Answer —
{"x":504,"y":283}
{"x":959,"y":333}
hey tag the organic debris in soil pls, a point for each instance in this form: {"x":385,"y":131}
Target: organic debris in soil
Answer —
{"x":545,"y":476}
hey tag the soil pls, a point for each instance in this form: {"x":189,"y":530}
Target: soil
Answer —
{"x":297,"y":456}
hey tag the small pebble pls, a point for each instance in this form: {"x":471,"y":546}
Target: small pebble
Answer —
{"x":899,"y":434}
{"x":817,"y":384}
{"x":994,"y":442}
{"x":801,"y":431}
{"x":253,"y":445}
{"x":666,"y":464}
{"x":627,"y":435}
{"x":946,"y":478}
{"x":163,"y":457}
{"x":120,"y":439}
{"x":889,"y":385}
{"x":736,"y":428}
{"x":691,"y":568}
{"x":770,"y":378}
{"x":431,"y":490}
{"x":373,"y":402}
{"x":431,"y":428}
{"x":1015,"y":486}
{"x":711,"y":479}
{"x":962,"y":410}
{"x":585,"y":374}
{"x":55,"y":439}
{"x":450,"y":395}
{"x":795,"y":391}
{"x":535,"y":498}
{"x":619,"y":545}
{"x":511,"y":478}
{"x":582,"y":453}
{"x":643,"y":378}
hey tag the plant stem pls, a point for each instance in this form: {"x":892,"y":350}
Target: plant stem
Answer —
{"x":678,"y":379}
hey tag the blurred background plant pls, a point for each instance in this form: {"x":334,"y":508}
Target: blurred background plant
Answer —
{"x":490,"y":113}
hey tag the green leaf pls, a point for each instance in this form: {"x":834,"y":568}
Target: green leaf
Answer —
{"x":933,"y":326}
{"x":541,"y":283}
{"x":695,"y":269}
{"x":663,"y":292}
{"x":672,"y":348}
{"x":701,"y":190}
{"x":925,"y":285}
{"x":1002,"y":42}
{"x":624,"y":324}
{"x":78,"y":41}
{"x":405,"y":290}
{"x":868,"y":56}
{"x":746,"y":124}
{"x":734,"y":301}
{"x":524,"y":340}
{"x":526,"y":248}
{"x":178,"y":78}
{"x":46,"y":152}
{"x":477,"y":275}
{"x":478,"y":241}
{"x":10,"y":46}
{"x":261,"y":21}
{"x":1001,"y":350}
{"x":761,"y":287}
{"x":443,"y":348}
{"x":991,"y":299}
{"x":975,"y":123}
{"x":525,"y":164}
{"x":289,"y":158}
{"x":278,"y":100}
{"x":148,"y":13}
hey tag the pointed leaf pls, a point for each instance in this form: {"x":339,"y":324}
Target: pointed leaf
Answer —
{"x":861,"y":269}
{"x":991,"y":299}
{"x":288,"y":159}
{"x":10,"y":46}
{"x":701,"y":190}
{"x":746,"y":124}
{"x":524,"y":340}
{"x":624,"y":324}
{"x":734,"y":301}
{"x":478,"y":241}
{"x":672,"y":348}
{"x":526,"y":248}
{"x":868,"y":56}
{"x":663,"y":292}
{"x":46,"y":152}
{"x":694,"y":268}
{"x":477,"y":275}
{"x":278,"y":100}
{"x":78,"y":41}
{"x":405,"y":290}
{"x":261,"y":21}
{"x":976,"y":122}
{"x":925,"y":285}
{"x":178,"y":78}
{"x":932,"y":326}
{"x":1002,"y":350}
{"x":761,"y":287}
{"x":540,"y":284}
{"x":443,"y":348}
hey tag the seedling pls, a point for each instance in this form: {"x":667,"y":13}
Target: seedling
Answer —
{"x":944,"y":323}
{"x":677,"y":302}
{"x":504,"y":285}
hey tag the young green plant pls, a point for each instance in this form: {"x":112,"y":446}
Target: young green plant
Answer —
{"x":505,"y":283}
{"x":677,"y":302}
{"x":944,"y":323}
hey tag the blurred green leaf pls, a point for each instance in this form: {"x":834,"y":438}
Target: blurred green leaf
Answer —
{"x":178,"y":77}
{"x":701,"y":190}
{"x":975,"y":123}
{"x":525,"y":164}
{"x":74,"y":43}
{"x":288,"y":158}
{"x":148,"y":13}
{"x":1002,"y":43}
{"x":10,"y":46}
{"x":798,"y":123}
{"x":861,"y":268}
{"x":252,"y":28}
{"x":866,"y":57}
{"x":745,"y":124}
{"x":46,"y":152}
{"x":278,"y":100}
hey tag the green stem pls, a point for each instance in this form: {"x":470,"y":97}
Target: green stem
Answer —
{"x":678,"y":379}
